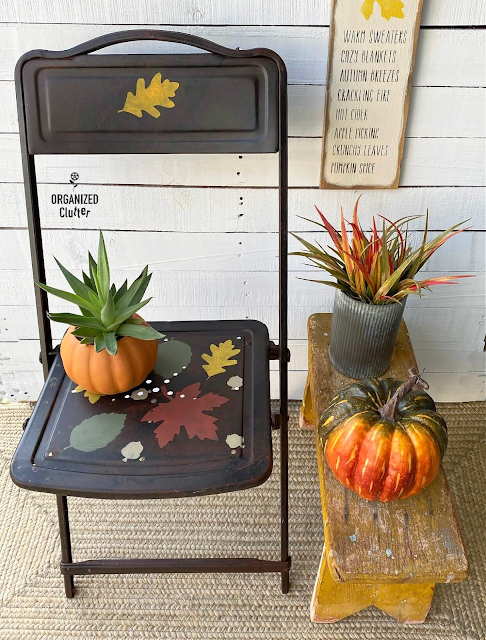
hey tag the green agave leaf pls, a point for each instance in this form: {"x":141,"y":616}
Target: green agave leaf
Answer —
{"x":142,"y":289}
{"x":99,"y":342}
{"x":126,"y":300}
{"x":79,"y":288}
{"x":86,"y":332}
{"x":110,"y":343}
{"x":121,"y":292}
{"x":133,"y":321}
{"x":70,"y":297}
{"x":103,"y":271}
{"x":142,"y":332}
{"x":108,"y":311}
{"x":127,"y":314}
{"x":77,"y":321}
{"x":97,"y":432}
{"x":87,"y":340}
{"x":87,"y":281}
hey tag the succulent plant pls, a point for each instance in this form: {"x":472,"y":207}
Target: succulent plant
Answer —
{"x":107,"y":312}
{"x":376,"y":270}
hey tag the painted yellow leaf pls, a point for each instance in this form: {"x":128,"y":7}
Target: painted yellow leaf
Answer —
{"x":158,"y":93}
{"x":92,"y":397}
{"x":221,"y":357}
{"x":389,"y":8}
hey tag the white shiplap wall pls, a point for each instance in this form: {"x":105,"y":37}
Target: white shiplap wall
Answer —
{"x":207,"y":224}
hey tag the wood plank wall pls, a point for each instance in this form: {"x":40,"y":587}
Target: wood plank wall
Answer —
{"x":207,"y":224}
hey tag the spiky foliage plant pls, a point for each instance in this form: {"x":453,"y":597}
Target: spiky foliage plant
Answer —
{"x":107,"y":312}
{"x":380,"y":269}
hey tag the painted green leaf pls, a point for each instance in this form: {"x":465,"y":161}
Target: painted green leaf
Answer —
{"x":172,"y":357}
{"x":96,"y":432}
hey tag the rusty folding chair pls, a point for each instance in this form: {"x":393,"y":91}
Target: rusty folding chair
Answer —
{"x":227,"y":101}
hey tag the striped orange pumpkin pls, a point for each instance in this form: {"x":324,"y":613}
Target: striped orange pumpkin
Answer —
{"x":382,"y":439}
{"x":102,"y":373}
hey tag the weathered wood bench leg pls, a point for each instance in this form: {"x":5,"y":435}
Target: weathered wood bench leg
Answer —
{"x":306,"y":419}
{"x":332,"y":601}
{"x":405,"y":602}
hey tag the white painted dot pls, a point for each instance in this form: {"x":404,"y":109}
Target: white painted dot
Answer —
{"x":170,"y":393}
{"x":182,"y":395}
{"x":127,"y":396}
{"x":184,"y":367}
{"x":236,"y":388}
{"x":50,"y":453}
{"x":113,"y":399}
{"x":140,"y":393}
{"x":166,"y":381}
{"x":148,"y":381}
{"x":175,"y":374}
{"x":155,"y":389}
{"x":325,"y":334}
{"x":149,"y":421}
{"x":194,"y":398}
{"x":238,"y":338}
{"x":233,"y":451}
{"x":153,"y":401}
{"x":142,"y":459}
{"x":166,"y":339}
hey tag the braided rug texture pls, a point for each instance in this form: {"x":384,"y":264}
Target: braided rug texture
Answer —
{"x":217,"y":607}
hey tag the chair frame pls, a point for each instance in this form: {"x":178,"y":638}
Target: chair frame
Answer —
{"x":47,"y":354}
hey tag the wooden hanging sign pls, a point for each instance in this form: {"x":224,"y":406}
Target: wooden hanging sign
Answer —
{"x":372,"y":45}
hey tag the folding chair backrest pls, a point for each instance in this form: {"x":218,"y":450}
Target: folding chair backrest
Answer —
{"x":224,"y":101}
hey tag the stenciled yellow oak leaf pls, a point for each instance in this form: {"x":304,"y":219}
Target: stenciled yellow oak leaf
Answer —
{"x":158,"y":94}
{"x":220,"y":358}
{"x":389,"y":8}
{"x":92,"y":397}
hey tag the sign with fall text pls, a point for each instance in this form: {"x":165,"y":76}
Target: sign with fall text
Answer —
{"x":372,"y":47}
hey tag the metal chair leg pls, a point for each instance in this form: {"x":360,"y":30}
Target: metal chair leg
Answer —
{"x":66,"y":556}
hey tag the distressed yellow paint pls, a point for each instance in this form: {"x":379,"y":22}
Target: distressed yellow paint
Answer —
{"x":371,"y":485}
{"x":398,"y":480}
{"x":365,"y":465}
{"x":337,"y":462}
{"x":328,"y":420}
{"x":220,"y":358}
{"x":389,"y":8}
{"x":347,"y":482}
{"x":409,"y":463}
{"x":157,"y":94}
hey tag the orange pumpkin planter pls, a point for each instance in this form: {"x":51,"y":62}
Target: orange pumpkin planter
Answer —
{"x":107,"y":349}
{"x":382,"y":439}
{"x":102,"y":373}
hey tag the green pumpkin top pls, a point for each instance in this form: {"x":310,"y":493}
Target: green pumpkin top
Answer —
{"x":388,"y":399}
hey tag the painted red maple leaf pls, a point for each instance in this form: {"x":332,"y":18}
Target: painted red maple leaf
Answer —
{"x":185,"y":409}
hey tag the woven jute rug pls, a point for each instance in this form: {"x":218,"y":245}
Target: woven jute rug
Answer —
{"x":246,"y":523}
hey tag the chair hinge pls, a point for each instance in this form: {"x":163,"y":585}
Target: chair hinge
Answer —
{"x":274,"y":352}
{"x":52,"y":354}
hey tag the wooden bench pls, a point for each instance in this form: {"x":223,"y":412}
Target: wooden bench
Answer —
{"x":389,"y":555}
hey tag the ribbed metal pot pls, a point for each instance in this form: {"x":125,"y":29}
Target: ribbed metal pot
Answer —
{"x":363,"y":336}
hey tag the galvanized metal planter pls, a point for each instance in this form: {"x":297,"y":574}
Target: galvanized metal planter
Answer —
{"x":363,"y":336}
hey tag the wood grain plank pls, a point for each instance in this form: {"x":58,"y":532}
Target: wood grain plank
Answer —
{"x":445,"y":57}
{"x":193,"y":12}
{"x":426,"y":162}
{"x":219,"y":251}
{"x":435,"y":112}
{"x":194,"y":209}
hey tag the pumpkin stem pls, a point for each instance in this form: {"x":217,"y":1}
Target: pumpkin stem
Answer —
{"x":389,"y":410}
